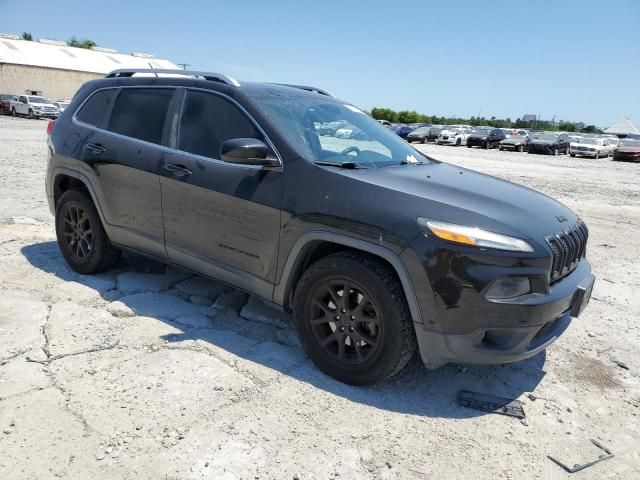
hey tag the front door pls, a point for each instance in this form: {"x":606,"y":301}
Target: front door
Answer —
{"x":220,"y":219}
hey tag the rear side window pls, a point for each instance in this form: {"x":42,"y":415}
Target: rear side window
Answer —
{"x":207,"y":121}
{"x":94,"y":109}
{"x":140,"y":113}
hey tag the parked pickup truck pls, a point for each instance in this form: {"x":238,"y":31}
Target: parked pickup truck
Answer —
{"x":33,"y":106}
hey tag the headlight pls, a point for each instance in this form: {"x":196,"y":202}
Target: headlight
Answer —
{"x":473,"y":236}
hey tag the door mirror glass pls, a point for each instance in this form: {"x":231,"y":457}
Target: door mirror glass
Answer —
{"x":247,"y":151}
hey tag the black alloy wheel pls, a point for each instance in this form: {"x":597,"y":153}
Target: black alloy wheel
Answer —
{"x":345,"y":321}
{"x":77,"y":233}
{"x":83,"y":242}
{"x":353,"y":319}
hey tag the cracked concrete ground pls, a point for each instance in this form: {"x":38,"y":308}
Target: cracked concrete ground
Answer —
{"x":148,"y":372}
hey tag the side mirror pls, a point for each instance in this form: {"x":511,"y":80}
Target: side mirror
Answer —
{"x":247,"y":151}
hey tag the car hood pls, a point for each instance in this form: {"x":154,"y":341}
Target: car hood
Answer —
{"x":44,"y":105}
{"x":513,"y":140}
{"x":444,"y":192}
{"x":481,"y":137}
{"x":543,"y":142}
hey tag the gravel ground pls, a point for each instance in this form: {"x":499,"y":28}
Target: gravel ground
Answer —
{"x":146,"y":372}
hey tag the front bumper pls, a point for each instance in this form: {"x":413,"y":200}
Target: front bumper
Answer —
{"x":584,"y":153}
{"x":448,"y":141}
{"x":547,"y":316}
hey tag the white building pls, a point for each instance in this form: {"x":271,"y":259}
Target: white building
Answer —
{"x":55,"y":70}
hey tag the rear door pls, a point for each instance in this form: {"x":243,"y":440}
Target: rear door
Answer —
{"x":220,"y":219}
{"x":123,"y":158}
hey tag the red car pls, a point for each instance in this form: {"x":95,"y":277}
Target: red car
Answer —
{"x":5,"y":106}
{"x":628,"y":151}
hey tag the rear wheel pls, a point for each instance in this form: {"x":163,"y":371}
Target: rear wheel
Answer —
{"x":353,"y":319}
{"x":81,"y":237}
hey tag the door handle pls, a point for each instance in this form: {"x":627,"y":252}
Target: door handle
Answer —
{"x":96,"y":148}
{"x":179,"y":170}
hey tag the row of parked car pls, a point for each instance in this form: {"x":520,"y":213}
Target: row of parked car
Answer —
{"x":521,"y":140}
{"x":32,"y":106}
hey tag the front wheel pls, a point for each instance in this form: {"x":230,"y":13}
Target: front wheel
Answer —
{"x":556,"y":151}
{"x":31,"y":115}
{"x":597,"y":155}
{"x":81,"y":237}
{"x":13,"y":112}
{"x":353,"y":319}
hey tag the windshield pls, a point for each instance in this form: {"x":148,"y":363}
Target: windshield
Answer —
{"x":629,"y":142}
{"x":482,"y":131}
{"x":545,"y":136}
{"x":361,"y":139}
{"x":421,"y":130}
{"x":590,"y":141}
{"x":39,"y":100}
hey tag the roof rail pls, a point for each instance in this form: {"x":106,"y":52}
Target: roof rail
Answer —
{"x":305,"y":87}
{"x":212,"y":77}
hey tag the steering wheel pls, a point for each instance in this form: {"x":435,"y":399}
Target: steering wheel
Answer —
{"x":348,"y":150}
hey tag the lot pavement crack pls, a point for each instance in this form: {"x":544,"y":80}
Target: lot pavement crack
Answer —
{"x":72,"y":354}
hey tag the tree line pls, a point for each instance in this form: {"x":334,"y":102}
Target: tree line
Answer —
{"x":411,"y":116}
{"x":72,"y":42}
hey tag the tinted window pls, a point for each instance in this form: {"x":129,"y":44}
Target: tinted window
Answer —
{"x":207,"y":121}
{"x":140,"y":113}
{"x":94,"y":109}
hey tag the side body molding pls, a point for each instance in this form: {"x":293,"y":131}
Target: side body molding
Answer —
{"x":282,"y":289}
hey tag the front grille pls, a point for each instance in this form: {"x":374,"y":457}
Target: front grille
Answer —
{"x":568,"y":248}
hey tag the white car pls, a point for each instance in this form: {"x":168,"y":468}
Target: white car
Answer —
{"x":62,"y":104}
{"x":454,"y":136}
{"x":34,"y":106}
{"x":591,"y":147}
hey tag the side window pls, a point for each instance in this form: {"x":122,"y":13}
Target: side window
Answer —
{"x":23,"y":99}
{"x":140,"y":113}
{"x":207,"y":121}
{"x":94,"y":109}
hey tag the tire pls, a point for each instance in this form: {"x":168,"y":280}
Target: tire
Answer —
{"x":458,"y":142}
{"x":81,"y":236}
{"x":31,"y":115}
{"x":487,"y":145}
{"x":422,"y":141}
{"x":556,"y":151}
{"x":374,"y":293}
{"x":13,"y":112}
{"x":572,"y":154}
{"x":597,"y":156}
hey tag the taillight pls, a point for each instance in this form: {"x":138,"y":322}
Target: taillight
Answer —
{"x":50,"y":126}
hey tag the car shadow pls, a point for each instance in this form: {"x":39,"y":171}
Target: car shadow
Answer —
{"x":415,"y":390}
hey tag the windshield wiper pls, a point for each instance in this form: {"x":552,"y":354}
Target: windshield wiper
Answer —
{"x":346,"y":164}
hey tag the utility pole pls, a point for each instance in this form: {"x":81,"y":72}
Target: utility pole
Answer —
{"x":184,"y":65}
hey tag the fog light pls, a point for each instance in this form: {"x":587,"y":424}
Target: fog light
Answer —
{"x":509,"y":287}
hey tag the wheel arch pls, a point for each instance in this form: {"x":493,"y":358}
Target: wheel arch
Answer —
{"x":65,"y":179}
{"x":314,"y":245}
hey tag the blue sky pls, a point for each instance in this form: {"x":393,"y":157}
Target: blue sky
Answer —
{"x":575,"y":60}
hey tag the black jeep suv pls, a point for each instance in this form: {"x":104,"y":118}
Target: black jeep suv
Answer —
{"x":485,"y":137}
{"x":373,"y":246}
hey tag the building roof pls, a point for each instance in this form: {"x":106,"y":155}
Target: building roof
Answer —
{"x":624,"y":126}
{"x":60,"y":56}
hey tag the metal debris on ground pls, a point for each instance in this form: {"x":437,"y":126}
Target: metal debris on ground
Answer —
{"x":577,"y":467}
{"x":491,"y":403}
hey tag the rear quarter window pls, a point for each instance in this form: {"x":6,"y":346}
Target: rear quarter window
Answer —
{"x":94,"y":109}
